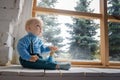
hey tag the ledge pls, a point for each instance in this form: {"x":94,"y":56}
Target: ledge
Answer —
{"x":75,"y":73}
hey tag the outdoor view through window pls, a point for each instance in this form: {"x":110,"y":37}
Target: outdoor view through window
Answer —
{"x":114,"y":31}
{"x":77,"y":38}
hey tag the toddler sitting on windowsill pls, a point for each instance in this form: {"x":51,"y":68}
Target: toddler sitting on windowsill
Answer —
{"x":30,"y":48}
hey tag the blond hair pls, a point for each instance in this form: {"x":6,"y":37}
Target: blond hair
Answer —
{"x":31,"y":22}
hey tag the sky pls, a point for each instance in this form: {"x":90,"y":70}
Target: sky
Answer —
{"x":69,"y":5}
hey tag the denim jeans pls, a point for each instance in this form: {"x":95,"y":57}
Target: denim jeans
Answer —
{"x":39,"y":64}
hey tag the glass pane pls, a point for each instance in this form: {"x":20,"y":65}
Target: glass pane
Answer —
{"x":91,"y":6}
{"x":113,"y":7}
{"x":114,"y":31}
{"x":77,"y":39}
{"x":114,"y":41}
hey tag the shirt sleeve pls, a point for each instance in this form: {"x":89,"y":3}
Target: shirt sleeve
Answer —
{"x":22,"y":50}
{"x":44,"y":49}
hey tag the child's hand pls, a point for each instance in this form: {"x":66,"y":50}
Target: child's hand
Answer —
{"x":53,"y":49}
{"x":34,"y":58}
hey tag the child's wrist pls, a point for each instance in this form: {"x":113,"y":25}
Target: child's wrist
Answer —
{"x":51,"y":53}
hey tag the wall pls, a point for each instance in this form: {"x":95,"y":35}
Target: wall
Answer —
{"x":13,"y":14}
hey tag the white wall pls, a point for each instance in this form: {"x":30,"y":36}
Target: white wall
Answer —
{"x":13,"y":14}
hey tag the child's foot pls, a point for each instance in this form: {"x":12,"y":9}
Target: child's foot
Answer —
{"x":64,"y":65}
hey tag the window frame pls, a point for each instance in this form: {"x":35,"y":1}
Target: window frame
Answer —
{"x":102,"y":16}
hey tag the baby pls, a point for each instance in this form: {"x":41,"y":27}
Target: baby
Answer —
{"x":30,"y":48}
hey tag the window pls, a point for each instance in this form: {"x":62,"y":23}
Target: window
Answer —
{"x":80,"y":34}
{"x":91,"y":6}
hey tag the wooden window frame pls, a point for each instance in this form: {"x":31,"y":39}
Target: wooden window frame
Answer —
{"x":103,"y":17}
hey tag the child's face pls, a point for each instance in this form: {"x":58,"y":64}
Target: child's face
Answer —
{"x":36,"y":28}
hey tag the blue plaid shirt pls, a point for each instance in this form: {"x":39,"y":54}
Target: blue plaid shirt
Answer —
{"x":23,"y":46}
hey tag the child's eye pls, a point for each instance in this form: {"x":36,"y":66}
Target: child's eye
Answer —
{"x":37,"y":26}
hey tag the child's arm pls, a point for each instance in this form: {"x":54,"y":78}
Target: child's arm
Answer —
{"x":22,"y":50}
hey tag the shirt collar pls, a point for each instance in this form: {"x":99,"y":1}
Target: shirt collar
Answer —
{"x":32,"y":35}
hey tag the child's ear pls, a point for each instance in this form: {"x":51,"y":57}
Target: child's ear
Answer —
{"x":27,"y":28}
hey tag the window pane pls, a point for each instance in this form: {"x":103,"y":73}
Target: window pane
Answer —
{"x":91,"y":6}
{"x":77,"y":39}
{"x":114,"y":41}
{"x":114,"y":31}
{"x":113,"y":7}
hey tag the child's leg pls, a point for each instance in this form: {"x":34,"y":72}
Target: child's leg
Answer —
{"x":39,"y":64}
{"x":64,"y":65}
{"x":60,"y":65}
{"x":51,"y":58}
